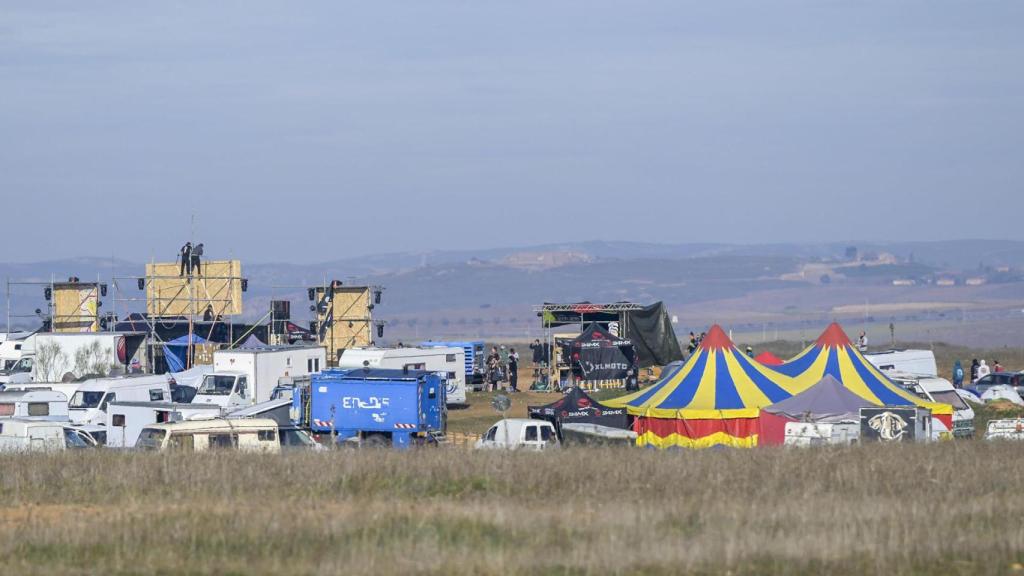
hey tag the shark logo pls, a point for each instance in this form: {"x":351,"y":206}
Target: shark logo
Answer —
{"x":889,"y":426}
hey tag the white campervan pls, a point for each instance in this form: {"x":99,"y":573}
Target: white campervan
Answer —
{"x":125,"y":420}
{"x":939,"y":390}
{"x":247,"y":435}
{"x":31,"y":435}
{"x":33,"y":403}
{"x":920,"y":362}
{"x":89,"y":403}
{"x":449,"y":362}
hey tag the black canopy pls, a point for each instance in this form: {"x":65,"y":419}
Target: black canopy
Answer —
{"x":653,"y":337}
{"x":596,"y":354}
{"x":577,"y":407}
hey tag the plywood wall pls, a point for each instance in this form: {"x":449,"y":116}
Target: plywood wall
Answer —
{"x":75,"y":307}
{"x":353,"y":322}
{"x":219,"y":287}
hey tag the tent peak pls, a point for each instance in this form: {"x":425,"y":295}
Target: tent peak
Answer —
{"x":833,"y":336}
{"x":716,"y":339}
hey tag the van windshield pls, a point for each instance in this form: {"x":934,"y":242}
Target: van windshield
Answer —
{"x":150,"y":439}
{"x":214,"y":385}
{"x":85,"y":399}
{"x":952,"y":398}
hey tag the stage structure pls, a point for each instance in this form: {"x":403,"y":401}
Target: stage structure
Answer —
{"x":71,"y":306}
{"x":210,"y":297}
{"x":344,"y":317}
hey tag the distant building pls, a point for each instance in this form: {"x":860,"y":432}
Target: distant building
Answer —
{"x":945,"y":282}
{"x":904,"y":282}
{"x":976,"y":281}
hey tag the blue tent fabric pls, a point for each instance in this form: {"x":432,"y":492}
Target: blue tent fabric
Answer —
{"x":176,"y":351}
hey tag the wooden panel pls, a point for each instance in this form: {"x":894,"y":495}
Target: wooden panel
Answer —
{"x":353,"y":322}
{"x":75,"y":307}
{"x":219,"y":287}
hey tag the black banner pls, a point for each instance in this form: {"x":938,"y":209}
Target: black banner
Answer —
{"x":888,"y":424}
{"x":598,"y":355}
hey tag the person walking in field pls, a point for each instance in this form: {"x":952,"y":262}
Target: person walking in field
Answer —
{"x":997,"y":367}
{"x":862,"y":341}
{"x":513,"y":370}
{"x":538,"y":353}
{"x":185,"y":256}
{"x":983,"y":370}
{"x":494,"y":368}
{"x":504,"y":363}
{"x":958,"y":375}
{"x":974,"y":370}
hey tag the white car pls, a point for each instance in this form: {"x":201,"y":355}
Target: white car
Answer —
{"x":519,"y":433}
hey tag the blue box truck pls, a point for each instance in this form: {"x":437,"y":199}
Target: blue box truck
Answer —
{"x":374,"y":407}
{"x":475,"y":355}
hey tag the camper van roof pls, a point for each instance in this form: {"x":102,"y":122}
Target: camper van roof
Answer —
{"x":257,"y":409}
{"x":215,"y":424}
{"x":164,"y":405}
{"x":377,"y":374}
{"x":35,"y":394}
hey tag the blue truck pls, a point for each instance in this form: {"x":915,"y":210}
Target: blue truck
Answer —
{"x":475,"y":355}
{"x":374,"y":407}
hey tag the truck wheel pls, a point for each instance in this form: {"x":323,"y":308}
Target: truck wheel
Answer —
{"x":376,"y":441}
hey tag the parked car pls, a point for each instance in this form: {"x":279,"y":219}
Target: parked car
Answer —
{"x":519,"y":434}
{"x":1015,"y":379}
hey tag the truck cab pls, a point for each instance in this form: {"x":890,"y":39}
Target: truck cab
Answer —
{"x":225,"y":389}
{"x":20,"y":371}
{"x":88,"y":405}
{"x":519,"y":434}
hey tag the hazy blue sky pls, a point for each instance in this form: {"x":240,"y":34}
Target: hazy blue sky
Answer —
{"x":310,"y":131}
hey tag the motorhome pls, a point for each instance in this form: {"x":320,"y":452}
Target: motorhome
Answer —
{"x":34,"y":435}
{"x":939,"y":390}
{"x":245,"y":377}
{"x":449,"y":362}
{"x":62,"y":357}
{"x":519,"y":434}
{"x":920,"y":362}
{"x":125,"y":420}
{"x":33,"y":403}
{"x":247,"y":435}
{"x":10,"y":353}
{"x":89,"y":403}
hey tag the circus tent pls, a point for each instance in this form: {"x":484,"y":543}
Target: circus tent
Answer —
{"x":714,"y":398}
{"x":833,"y":354}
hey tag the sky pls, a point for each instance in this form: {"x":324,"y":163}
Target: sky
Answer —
{"x":312,"y":131}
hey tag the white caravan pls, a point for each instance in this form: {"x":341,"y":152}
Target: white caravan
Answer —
{"x":244,"y":377}
{"x":29,"y":435}
{"x":519,"y":434}
{"x":125,"y":420}
{"x":939,"y":390}
{"x":89,"y":403}
{"x":920,"y":362}
{"x":1005,"y":429}
{"x":63,"y":357}
{"x":821,"y":433}
{"x":33,"y":403}
{"x":247,"y":435}
{"x":449,"y":362}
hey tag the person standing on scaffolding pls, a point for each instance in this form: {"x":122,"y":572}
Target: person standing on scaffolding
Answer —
{"x":197,"y":254}
{"x":185,"y":256}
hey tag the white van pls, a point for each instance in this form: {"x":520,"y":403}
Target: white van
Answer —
{"x":449,"y":362}
{"x":253,"y":435}
{"x":125,"y":420}
{"x":246,"y":377}
{"x":34,"y":403}
{"x":920,"y":362}
{"x":940,"y":390}
{"x":89,"y":403}
{"x":29,"y":435}
{"x":10,"y":353}
{"x":519,"y":433}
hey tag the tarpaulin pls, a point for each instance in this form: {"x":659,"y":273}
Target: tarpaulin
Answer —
{"x":653,"y":337}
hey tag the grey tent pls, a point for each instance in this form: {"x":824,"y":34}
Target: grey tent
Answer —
{"x":826,"y":401}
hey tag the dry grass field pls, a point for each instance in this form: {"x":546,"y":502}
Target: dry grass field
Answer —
{"x":951,"y":508}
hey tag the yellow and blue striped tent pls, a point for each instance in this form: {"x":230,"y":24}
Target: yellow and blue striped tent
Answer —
{"x":833,"y":354}
{"x":714,"y":398}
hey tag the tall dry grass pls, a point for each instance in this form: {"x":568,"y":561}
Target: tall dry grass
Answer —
{"x":951,"y":508}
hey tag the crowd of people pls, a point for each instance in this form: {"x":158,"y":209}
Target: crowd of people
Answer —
{"x":503,"y":367}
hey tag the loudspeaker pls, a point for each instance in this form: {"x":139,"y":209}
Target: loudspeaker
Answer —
{"x":282,"y":309}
